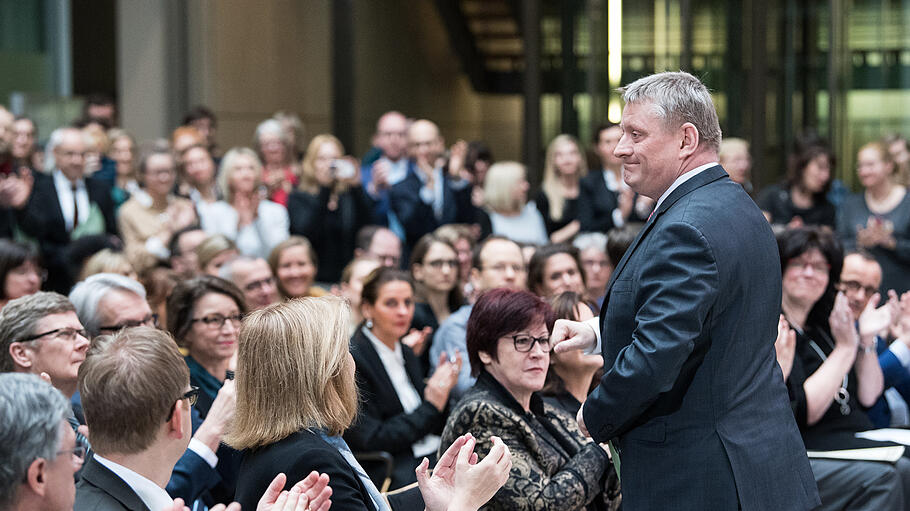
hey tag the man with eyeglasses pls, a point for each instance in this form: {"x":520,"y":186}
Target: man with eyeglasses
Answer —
{"x":254,"y":277}
{"x":497,"y":262}
{"x":860,"y":281}
{"x":39,"y":454}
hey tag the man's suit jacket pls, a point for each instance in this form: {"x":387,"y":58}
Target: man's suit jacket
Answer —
{"x":102,"y":490}
{"x":692,"y":389}
{"x":596,"y":203}
{"x":418,"y":217}
{"x":896,"y":376}
{"x":42,"y":219}
{"x":382,"y":424}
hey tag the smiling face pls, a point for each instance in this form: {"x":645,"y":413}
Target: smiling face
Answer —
{"x":872,"y":169}
{"x":805,"y":278}
{"x":649,"y":151}
{"x":322,"y":165}
{"x":159,"y":175}
{"x":860,"y":278}
{"x":393,"y":311}
{"x":817,"y":174}
{"x":244,"y":178}
{"x":296,"y":271}
{"x":520,"y":373}
{"x":23,"y":138}
{"x":207,"y":341}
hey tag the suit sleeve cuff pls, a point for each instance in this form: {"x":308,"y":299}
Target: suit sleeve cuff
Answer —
{"x":594,"y":323}
{"x":902,"y":352}
{"x":204,"y":452}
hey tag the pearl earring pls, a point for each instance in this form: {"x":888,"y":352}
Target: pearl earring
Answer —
{"x":369,"y":324}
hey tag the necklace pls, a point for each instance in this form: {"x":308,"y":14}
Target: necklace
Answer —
{"x":842,"y":396}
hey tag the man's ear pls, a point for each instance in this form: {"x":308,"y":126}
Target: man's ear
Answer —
{"x":475,"y":278}
{"x":36,"y":477}
{"x":20,"y":354}
{"x":689,"y":142}
{"x":176,"y":426}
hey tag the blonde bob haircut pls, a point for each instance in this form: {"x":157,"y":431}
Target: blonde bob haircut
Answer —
{"x":229,"y":164}
{"x":308,"y":181}
{"x":498,"y":187}
{"x":293,"y":372}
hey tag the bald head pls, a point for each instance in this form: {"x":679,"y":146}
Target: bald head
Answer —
{"x":425,"y":143}
{"x":391,"y":135}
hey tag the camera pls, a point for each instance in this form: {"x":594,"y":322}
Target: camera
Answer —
{"x":342,"y":169}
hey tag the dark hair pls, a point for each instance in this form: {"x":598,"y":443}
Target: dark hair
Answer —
{"x":380,"y":277}
{"x":500,"y":312}
{"x":365,"y":235}
{"x":595,"y":135}
{"x":793,"y":243}
{"x":197,"y":113}
{"x":539,"y":262}
{"x":478,"y":249}
{"x":181,"y":305}
{"x":802,"y":156}
{"x":173,"y":246}
{"x":565,"y":306}
{"x":419,"y":253}
{"x":619,"y":239}
{"x":477,"y":151}
{"x":12,"y":255}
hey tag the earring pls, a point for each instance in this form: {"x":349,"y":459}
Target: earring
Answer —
{"x":369,"y":324}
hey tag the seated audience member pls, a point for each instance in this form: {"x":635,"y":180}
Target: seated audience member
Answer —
{"x":122,"y":151}
{"x":555,"y":269}
{"x":435,"y":268}
{"x":832,"y":370}
{"x":182,"y":139}
{"x":132,"y":464}
{"x":109,"y":303}
{"x":39,"y":453}
{"x":254,"y":277}
{"x":198,"y":177}
{"x":23,"y":148}
{"x":253,"y":224}
{"x":20,"y":271}
{"x":899,"y":150}
{"x":153,"y":213}
{"x":428,"y":196}
{"x":212,"y":252}
{"x":571,"y":373}
{"x":506,"y":194}
{"x":878,"y":220}
{"x":735,"y":159}
{"x":351,"y":286}
{"x":379,"y":243}
{"x":461,"y":237}
{"x":293,"y":130}
{"x":205,"y":122}
{"x":802,"y":198}
{"x":158,"y":283}
{"x":393,"y":165}
{"x":107,"y":260}
{"x":330,"y":206}
{"x":604,"y":200}
{"x":497,"y":262}
{"x":203,"y":315}
{"x":280,"y":173}
{"x":65,"y":206}
{"x":182,"y":250}
{"x":298,"y":428}
{"x":592,"y":251}
{"x":399,"y":413}
{"x":294,"y":263}
{"x":554,"y":465}
{"x":860,"y":280}
{"x":557,"y":200}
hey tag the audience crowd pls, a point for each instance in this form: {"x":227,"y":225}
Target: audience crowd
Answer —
{"x":149,"y":297}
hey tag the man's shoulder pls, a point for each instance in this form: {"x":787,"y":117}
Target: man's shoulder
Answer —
{"x":100,"y":488}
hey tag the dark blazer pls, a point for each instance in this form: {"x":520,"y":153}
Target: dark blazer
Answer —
{"x":42,"y":220}
{"x":596,"y":203}
{"x":896,"y":376}
{"x":418,"y":218}
{"x":381,"y":423}
{"x":102,"y":490}
{"x":692,"y":390}
{"x":332,"y":233}
{"x":297,"y":456}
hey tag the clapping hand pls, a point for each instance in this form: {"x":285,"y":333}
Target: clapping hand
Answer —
{"x":874,"y":320}
{"x":842,"y":324}
{"x":417,"y":339}
{"x":440,"y":385}
{"x":459,"y":482}
{"x":785,"y":346}
{"x":310,"y":494}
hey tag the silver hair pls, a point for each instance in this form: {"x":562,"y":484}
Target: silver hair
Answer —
{"x":678,"y":98}
{"x":19,"y":317}
{"x":33,"y":413}
{"x":88,"y":294}
{"x":56,"y":138}
{"x":273,"y":127}
{"x":587,"y":240}
{"x":227,"y":269}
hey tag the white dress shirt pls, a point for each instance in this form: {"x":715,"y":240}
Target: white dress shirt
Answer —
{"x":153,"y":496}
{"x":64,"y":189}
{"x":614,"y":185}
{"x":393,"y":362}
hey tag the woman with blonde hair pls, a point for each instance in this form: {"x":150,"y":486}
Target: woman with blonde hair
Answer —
{"x":558,"y":197}
{"x":330,"y":205}
{"x":294,"y":263}
{"x":255,"y":224}
{"x":296,"y":395}
{"x":108,"y":261}
{"x":213,"y":252}
{"x":506,"y":193}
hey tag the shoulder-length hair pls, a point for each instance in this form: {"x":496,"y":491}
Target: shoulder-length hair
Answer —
{"x":454,"y":299}
{"x":293,"y":372}
{"x":12,"y":255}
{"x":538,"y":263}
{"x":229,"y":164}
{"x":502,"y":178}
{"x":793,"y":243}
{"x":308,"y":181}
{"x":552,"y":185}
{"x":181,"y":304}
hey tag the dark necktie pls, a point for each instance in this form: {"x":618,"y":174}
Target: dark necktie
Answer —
{"x":75,"y":209}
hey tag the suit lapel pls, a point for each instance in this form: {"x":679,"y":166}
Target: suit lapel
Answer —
{"x":375,"y":366}
{"x":101,"y":477}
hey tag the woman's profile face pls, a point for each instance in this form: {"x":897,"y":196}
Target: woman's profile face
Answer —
{"x":213,"y":334}
{"x":817,"y":174}
{"x":393,"y":311}
{"x":806,"y":278}
{"x":439,"y":268}
{"x":521,"y":373}
{"x":296,"y":271}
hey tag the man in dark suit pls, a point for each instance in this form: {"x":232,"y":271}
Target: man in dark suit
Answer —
{"x":428,"y":197}
{"x":65,"y":206}
{"x":692,"y":394}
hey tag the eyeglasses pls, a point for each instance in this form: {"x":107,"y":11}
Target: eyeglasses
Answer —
{"x":438,"y":264}
{"x":67,"y":334}
{"x":801,"y":264}
{"x":259,"y":284}
{"x":191,"y":397}
{"x":525,"y":343}
{"x":503,"y":267}
{"x":77,"y":452}
{"x":25,"y":269}
{"x":854,"y":286}
{"x":218,"y":320}
{"x":150,"y":320}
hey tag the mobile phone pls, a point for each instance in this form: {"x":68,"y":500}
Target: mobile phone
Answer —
{"x":343,"y":169}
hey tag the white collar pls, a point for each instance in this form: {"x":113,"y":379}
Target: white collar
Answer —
{"x":381,"y":348}
{"x":61,"y":180}
{"x":613,"y":184}
{"x":682,"y":179}
{"x":152,"y":495}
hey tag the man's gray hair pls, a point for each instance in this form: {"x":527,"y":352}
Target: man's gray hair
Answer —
{"x":88,"y":294}
{"x":587,"y":240}
{"x":19,"y":317}
{"x":227,"y":269}
{"x":32,"y":412}
{"x":56,"y":138}
{"x":678,"y":98}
